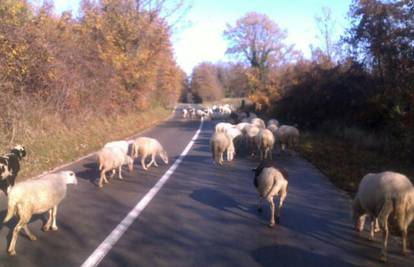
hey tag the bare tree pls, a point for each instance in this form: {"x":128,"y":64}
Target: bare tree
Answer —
{"x":326,"y":28}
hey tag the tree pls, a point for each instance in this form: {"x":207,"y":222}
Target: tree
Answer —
{"x":326,"y":27}
{"x":258,"y":39}
{"x":205,"y":83}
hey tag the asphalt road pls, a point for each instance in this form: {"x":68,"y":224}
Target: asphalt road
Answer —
{"x":203,"y":216}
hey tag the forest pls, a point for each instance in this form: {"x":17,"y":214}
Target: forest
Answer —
{"x":72,"y":80}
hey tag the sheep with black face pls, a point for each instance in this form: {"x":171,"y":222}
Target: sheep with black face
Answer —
{"x":10,"y":167}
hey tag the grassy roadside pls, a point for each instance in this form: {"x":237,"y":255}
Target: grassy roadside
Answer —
{"x":345,"y":163}
{"x":51,"y":142}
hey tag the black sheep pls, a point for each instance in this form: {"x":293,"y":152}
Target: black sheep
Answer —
{"x":10,"y":167}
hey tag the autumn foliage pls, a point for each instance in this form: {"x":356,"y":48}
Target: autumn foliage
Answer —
{"x":116,"y":57}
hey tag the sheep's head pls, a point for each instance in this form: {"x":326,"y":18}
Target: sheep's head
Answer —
{"x":164,"y":156}
{"x":130,"y":162}
{"x":4,"y":171}
{"x":70,"y":177}
{"x":358,"y":216}
{"x":19,"y":150}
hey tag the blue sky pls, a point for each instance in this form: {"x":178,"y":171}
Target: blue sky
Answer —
{"x":201,"y":38}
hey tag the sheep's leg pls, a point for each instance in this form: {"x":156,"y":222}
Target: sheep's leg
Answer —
{"x":377,"y":228}
{"x":120,"y":173}
{"x":143,"y":162}
{"x":54,"y":213}
{"x":221,"y":158}
{"x":153,"y":160}
{"x":113,"y":174}
{"x":281,"y":201}
{"x":28,"y":233}
{"x":383,"y":256}
{"x":272,"y":211}
{"x":371,"y":232}
{"x":47,"y":225}
{"x":24,"y":218}
{"x":259,"y":205}
{"x":12,"y":247}
{"x":404,"y":241}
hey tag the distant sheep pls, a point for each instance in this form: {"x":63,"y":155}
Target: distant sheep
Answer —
{"x":184,"y":113}
{"x":251,"y":132}
{"x":37,"y":196}
{"x":288,"y":136}
{"x":379,"y":194}
{"x":273,"y":128}
{"x":111,"y":159}
{"x":145,"y":146}
{"x":258,"y":122}
{"x":10,"y":167}
{"x":273,"y":122}
{"x":270,"y":182}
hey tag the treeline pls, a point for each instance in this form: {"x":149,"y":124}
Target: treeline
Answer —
{"x":213,"y":81}
{"x":115,"y":58}
{"x":364,"y":81}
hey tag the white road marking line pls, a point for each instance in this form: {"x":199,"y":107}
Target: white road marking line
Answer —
{"x":96,"y":257}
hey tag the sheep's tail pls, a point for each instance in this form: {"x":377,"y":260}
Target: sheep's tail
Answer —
{"x":10,"y":211}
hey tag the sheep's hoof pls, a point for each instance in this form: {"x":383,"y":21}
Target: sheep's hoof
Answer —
{"x":383,"y":258}
{"x":277,"y":220}
{"x":54,"y":228}
{"x":33,"y":238}
{"x":271,"y":225}
{"x":46,"y":228}
{"x":12,"y":252}
{"x":100,"y":185}
{"x":121,"y":178}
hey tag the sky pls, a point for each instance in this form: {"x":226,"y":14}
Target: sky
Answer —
{"x":200,"y":37}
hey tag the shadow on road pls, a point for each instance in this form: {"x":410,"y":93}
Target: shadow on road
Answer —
{"x":283,"y":255}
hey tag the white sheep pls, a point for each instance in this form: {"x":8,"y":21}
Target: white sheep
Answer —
{"x":265,"y":143}
{"x":36,"y":196}
{"x":110,"y":159}
{"x":251,"y":132}
{"x":273,"y":128}
{"x":270,"y":182}
{"x":220,"y":143}
{"x":125,"y":146}
{"x":184,"y":113}
{"x":222,"y":126}
{"x":287,"y":136}
{"x":379,"y":194}
{"x":145,"y":146}
{"x":258,"y":122}
{"x":232,"y":133}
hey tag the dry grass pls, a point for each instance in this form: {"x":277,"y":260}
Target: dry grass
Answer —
{"x":50,"y":142}
{"x":346,"y":162}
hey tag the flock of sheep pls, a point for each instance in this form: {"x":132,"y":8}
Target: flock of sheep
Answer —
{"x":43,"y":194}
{"x":379,"y":194}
